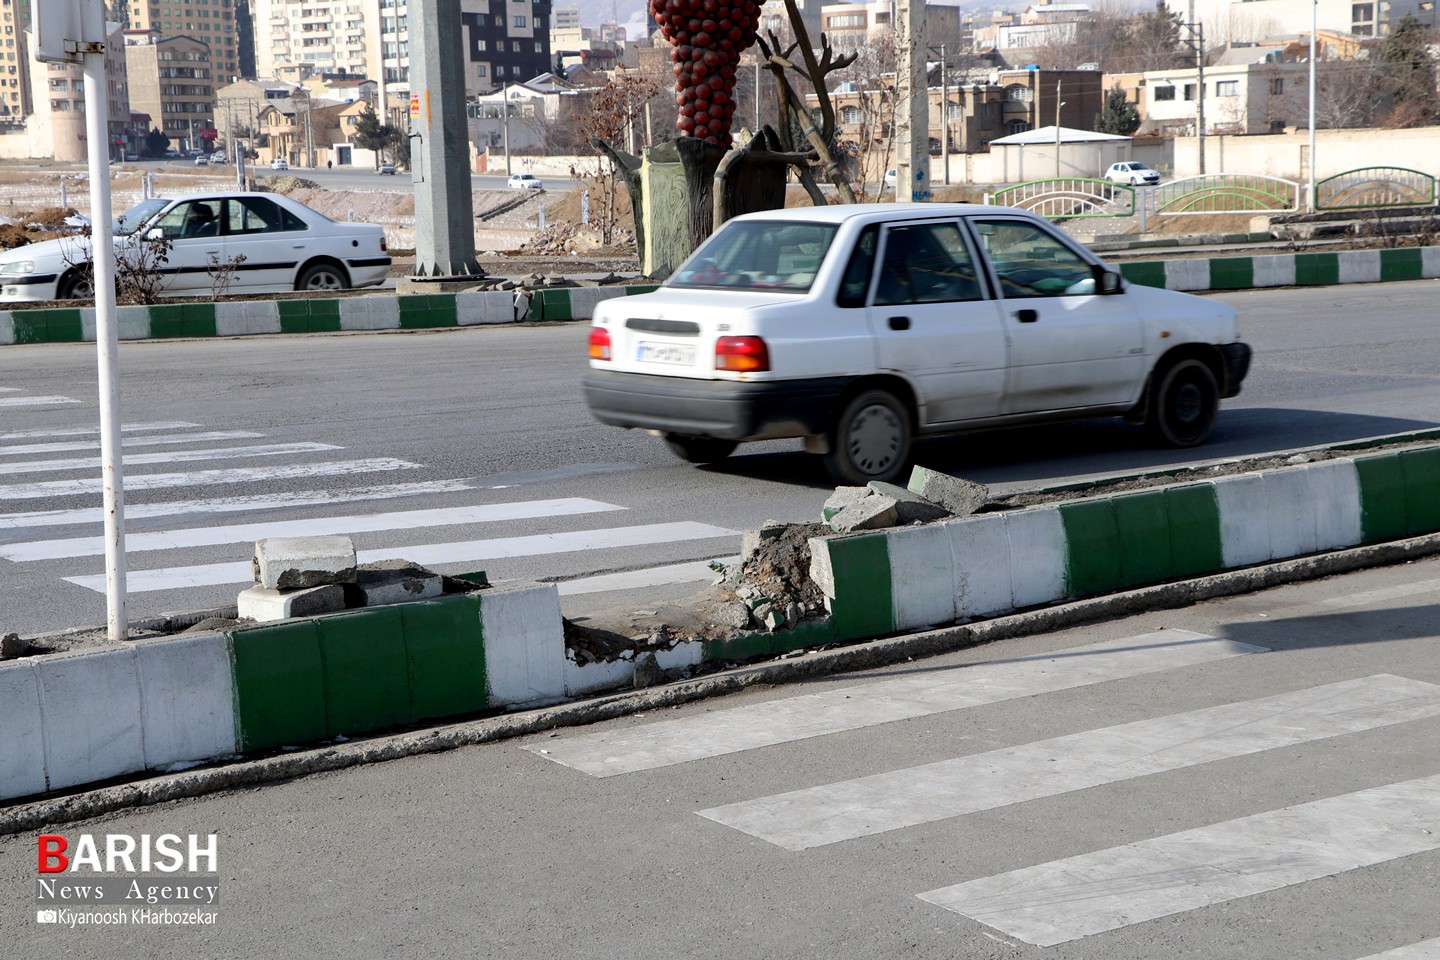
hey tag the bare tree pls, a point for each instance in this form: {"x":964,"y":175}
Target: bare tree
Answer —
{"x":605,"y":120}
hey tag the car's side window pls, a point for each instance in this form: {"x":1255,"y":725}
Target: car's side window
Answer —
{"x":196,"y":218}
{"x":249,"y":215}
{"x":1032,"y":263}
{"x":926,"y":263}
{"x":857,"y":271}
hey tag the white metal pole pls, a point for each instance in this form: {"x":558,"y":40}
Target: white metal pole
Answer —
{"x":1310,"y":189}
{"x":102,"y":239}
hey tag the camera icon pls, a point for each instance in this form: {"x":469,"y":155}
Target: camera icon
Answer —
{"x":47,"y":916}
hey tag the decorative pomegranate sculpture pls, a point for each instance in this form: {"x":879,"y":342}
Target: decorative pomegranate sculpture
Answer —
{"x":709,"y":36}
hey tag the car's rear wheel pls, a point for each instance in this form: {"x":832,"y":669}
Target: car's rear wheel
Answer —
{"x":323,"y":276}
{"x":1183,"y":404}
{"x":77,"y":284}
{"x":699,"y":449}
{"x":870,"y":440}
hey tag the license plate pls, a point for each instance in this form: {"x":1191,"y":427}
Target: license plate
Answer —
{"x":674,"y":353}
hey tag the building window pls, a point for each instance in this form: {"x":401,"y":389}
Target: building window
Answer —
{"x":1190,"y":91}
{"x":481,"y":70}
{"x":1277,"y":86}
{"x":520,"y":22}
{"x":1016,"y":126}
{"x":1227,"y":88}
{"x":1362,"y":12}
{"x":1019,"y":93}
{"x":1165,"y":92}
{"x":849,"y":114}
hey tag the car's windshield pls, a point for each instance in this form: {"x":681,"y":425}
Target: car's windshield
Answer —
{"x":136,"y":217}
{"x":759,"y":255}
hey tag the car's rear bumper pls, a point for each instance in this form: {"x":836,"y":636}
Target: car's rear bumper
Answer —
{"x":722,"y":409}
{"x":1237,"y":365}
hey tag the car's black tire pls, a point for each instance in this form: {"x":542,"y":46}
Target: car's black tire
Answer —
{"x":78,"y":283}
{"x":870,"y":440}
{"x":323,"y":276}
{"x":699,"y":449}
{"x":1184,"y":401}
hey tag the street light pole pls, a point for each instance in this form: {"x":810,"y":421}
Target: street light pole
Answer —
{"x":1058,"y":104}
{"x":1310,"y":188}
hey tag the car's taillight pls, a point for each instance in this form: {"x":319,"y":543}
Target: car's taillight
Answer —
{"x":383,"y":246}
{"x":741,"y":354}
{"x":599,"y":343}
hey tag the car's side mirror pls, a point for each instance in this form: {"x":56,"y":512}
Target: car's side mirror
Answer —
{"x":1107,"y":282}
{"x":155,"y":233}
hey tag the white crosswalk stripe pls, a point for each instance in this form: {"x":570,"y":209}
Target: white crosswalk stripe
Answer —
{"x":204,"y":478}
{"x":434,"y":554}
{"x":168,"y":456}
{"x":171,"y":438}
{"x":1424,"y":950}
{"x":1068,"y":899}
{"x":34,"y":401}
{"x":951,"y":788}
{"x":95,"y":431}
{"x":610,"y":753}
{"x":242,"y":532}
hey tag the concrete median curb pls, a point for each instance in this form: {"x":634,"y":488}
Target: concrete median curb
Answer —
{"x":1201,"y":274}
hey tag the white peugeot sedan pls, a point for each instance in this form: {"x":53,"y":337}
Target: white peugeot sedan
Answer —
{"x":275,"y":244}
{"x":860,"y":327}
{"x":525,"y":181}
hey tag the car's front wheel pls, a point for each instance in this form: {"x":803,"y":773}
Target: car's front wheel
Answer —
{"x":699,"y":449}
{"x":870,"y":440}
{"x":323,"y":276}
{"x":77,"y":284}
{"x":1183,"y":404}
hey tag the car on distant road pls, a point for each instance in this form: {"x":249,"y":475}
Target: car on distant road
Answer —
{"x":858,"y":327}
{"x":276,"y":244}
{"x":279,"y":163}
{"x":201,"y":159}
{"x":386,"y":169}
{"x":217,"y":158}
{"x":1132,"y":172}
{"x":526,"y":181}
{"x":131,"y":156}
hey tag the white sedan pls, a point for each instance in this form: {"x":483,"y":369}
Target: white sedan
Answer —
{"x":526,"y":181}
{"x":273,"y":243}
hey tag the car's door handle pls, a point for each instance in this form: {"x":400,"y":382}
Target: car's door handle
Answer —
{"x":1027,"y":315}
{"x":899,"y":323}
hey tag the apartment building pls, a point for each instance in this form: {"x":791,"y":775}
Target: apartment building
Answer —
{"x":171,"y":79}
{"x":14,"y":60}
{"x":316,"y":36}
{"x":1240,"y":98}
{"x":211,"y":22}
{"x":856,"y":26}
{"x":55,"y":127}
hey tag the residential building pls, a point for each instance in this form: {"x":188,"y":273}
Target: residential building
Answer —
{"x":1242,"y":98}
{"x":1232,"y":20}
{"x":55,"y":127}
{"x":857,"y":26}
{"x":15,"y":61}
{"x":506,"y":41}
{"x":1042,"y":25}
{"x":211,"y":22}
{"x":238,"y":105}
{"x":318,"y":36}
{"x":172,"y":80}
{"x":565,"y":18}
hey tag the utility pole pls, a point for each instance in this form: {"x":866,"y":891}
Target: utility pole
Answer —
{"x":505,"y":121}
{"x":944,"y":119}
{"x":1197,"y":41}
{"x":912,"y":119}
{"x":1058,"y":104}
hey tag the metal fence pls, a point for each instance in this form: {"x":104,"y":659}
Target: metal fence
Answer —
{"x":1371,"y":187}
{"x":1068,"y":198}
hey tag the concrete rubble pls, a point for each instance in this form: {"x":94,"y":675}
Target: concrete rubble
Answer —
{"x":308,"y":576}
{"x":289,"y":563}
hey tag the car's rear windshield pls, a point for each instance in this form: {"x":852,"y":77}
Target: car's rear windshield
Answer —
{"x":759,"y":255}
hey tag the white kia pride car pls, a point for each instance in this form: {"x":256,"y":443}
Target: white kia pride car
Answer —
{"x":861,"y":327}
{"x":275,"y":245}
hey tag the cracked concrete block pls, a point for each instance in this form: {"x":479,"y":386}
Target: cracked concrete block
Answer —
{"x":961,"y":497}
{"x":391,"y":581}
{"x":842,"y":498}
{"x":263,"y":604}
{"x":909,"y":507}
{"x":290,"y":563}
{"x":751,"y":540}
{"x":874,"y":512}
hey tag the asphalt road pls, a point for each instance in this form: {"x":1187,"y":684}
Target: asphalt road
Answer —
{"x":1247,"y":779}
{"x":413,"y":441}
{"x":350,"y":178}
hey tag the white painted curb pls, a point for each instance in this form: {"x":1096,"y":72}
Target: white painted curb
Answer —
{"x":187,"y":698}
{"x":90,"y":707}
{"x":524,"y":642}
{"x":246,"y":318}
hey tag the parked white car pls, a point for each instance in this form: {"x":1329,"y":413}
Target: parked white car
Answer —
{"x":285,"y":245}
{"x":526,"y":181}
{"x":1132,"y":172}
{"x":217,"y":158}
{"x":279,"y":163}
{"x":860,"y":327}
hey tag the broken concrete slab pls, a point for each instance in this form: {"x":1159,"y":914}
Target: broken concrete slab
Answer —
{"x":909,"y":507}
{"x":961,"y":497}
{"x":751,"y":540}
{"x":391,"y":581}
{"x":870,"y":513}
{"x":292,"y":563}
{"x":12,"y":646}
{"x":262,"y":604}
{"x":842,"y":498}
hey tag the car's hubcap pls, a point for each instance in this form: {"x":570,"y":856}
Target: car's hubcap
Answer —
{"x":1188,"y":403}
{"x":324,"y":281}
{"x":874,"y":439}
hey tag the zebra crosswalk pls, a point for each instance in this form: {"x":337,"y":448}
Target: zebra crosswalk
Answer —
{"x":1092,"y":893}
{"x":176,"y":544}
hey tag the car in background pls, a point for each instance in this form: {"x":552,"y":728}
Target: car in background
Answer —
{"x":1132,"y":172}
{"x":525,"y":181}
{"x":386,"y":169}
{"x":131,"y":156}
{"x":859,"y":327}
{"x":201,"y":159}
{"x":217,"y":159}
{"x":891,"y":178}
{"x":279,"y":163}
{"x":284,"y":244}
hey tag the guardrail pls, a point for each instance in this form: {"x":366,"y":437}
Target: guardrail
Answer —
{"x":1375,"y":187}
{"x":1068,"y":198}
